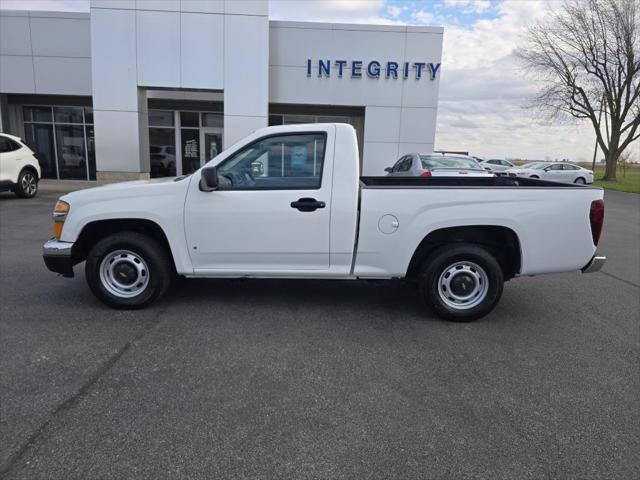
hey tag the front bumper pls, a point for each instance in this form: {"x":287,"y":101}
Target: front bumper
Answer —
{"x":595,"y":264}
{"x":57,"y":257}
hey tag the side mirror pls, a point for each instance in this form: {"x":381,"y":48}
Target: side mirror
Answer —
{"x":209,"y":179}
{"x":388,"y":169}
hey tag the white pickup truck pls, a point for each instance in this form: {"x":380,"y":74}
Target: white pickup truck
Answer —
{"x":289,"y":202}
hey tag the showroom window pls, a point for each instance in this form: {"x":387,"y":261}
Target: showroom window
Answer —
{"x":293,"y":119}
{"x":182,"y":141}
{"x":63,"y":139}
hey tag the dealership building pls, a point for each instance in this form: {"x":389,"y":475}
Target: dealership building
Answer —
{"x":149,"y":88}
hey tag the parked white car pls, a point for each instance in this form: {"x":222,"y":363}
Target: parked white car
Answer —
{"x":555,"y":172}
{"x":311,"y":215}
{"x":418,"y":165}
{"x":497,"y":165}
{"x":19,"y":168}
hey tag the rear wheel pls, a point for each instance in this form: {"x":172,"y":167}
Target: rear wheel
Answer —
{"x":27,"y":186}
{"x":128,"y":270}
{"x":580,"y":181}
{"x":461,"y":282}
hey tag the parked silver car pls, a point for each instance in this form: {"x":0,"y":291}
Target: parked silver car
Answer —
{"x":417,"y":165}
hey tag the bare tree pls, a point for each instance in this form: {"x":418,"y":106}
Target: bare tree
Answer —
{"x":587,"y":55}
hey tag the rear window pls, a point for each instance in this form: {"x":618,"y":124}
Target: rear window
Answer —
{"x":434,"y":161}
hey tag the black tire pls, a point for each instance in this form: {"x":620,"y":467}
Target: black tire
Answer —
{"x":580,"y":181}
{"x":152,"y":259}
{"x":27,"y":186}
{"x":535,"y":176}
{"x":488,"y":278}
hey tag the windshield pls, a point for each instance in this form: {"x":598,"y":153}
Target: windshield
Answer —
{"x":435,"y":161}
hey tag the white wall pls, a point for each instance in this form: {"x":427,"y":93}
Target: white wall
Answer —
{"x":183,"y":44}
{"x":44,"y":52}
{"x":400,"y":114}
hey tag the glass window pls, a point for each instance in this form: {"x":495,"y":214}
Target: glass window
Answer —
{"x":88,"y":115}
{"x":405,"y":165}
{"x":7,"y":145}
{"x":71,"y":155}
{"x":189,"y":119}
{"x":428,"y":163}
{"x":160,"y":118}
{"x":190,"y":150}
{"x":91,"y":150}
{"x":296,"y":119}
{"x":275,"y":120}
{"x":37,"y":114}
{"x":453,"y":162}
{"x":39,"y":138}
{"x":556,"y":167}
{"x":162,"y":152}
{"x":67,"y":114}
{"x":570,"y":167}
{"x":212,"y":120}
{"x":332,"y":119}
{"x":279,"y":162}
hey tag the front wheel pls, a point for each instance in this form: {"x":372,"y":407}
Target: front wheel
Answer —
{"x":128,"y":270}
{"x":461,"y":282}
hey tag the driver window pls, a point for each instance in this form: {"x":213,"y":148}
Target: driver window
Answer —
{"x":280,"y":162}
{"x":556,"y":167}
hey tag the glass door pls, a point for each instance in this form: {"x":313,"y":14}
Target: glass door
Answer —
{"x":211,"y":143}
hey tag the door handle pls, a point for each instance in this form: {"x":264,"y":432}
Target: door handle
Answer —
{"x":307,"y":204}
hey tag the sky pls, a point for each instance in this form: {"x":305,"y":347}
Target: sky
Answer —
{"x":484,"y":93}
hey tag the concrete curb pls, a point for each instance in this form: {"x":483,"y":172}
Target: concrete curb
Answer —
{"x":63,"y":186}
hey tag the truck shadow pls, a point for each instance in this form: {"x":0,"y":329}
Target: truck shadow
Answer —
{"x":362,"y":298}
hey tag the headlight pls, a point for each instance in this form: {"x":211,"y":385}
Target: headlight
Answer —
{"x":59,"y":216}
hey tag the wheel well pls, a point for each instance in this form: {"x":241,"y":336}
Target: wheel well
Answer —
{"x":31,"y":169}
{"x":93,"y":232}
{"x":502,"y":242}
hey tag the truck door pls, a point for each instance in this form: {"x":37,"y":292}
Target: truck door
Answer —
{"x":271,"y":211}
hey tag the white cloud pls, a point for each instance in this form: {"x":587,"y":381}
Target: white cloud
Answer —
{"x":423,"y":17}
{"x":469,"y":6}
{"x":482,"y":83}
{"x":394,"y":11}
{"x":345,"y":11}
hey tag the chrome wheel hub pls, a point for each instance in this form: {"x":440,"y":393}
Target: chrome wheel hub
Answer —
{"x":29,"y":184}
{"x":463,"y":285}
{"x":124,"y":273}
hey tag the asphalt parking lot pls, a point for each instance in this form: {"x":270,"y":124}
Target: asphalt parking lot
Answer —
{"x":317,"y":379}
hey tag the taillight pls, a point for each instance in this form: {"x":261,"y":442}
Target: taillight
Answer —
{"x":426,"y":173}
{"x":596,"y":218}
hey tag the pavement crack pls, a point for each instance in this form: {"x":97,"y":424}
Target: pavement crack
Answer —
{"x":74,"y":399}
{"x":621,"y":279}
